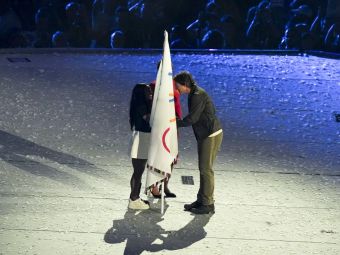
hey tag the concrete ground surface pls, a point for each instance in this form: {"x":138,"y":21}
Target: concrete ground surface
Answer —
{"x":65,"y":169}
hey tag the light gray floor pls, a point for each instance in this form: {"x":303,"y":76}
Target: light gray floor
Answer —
{"x":64,"y":167}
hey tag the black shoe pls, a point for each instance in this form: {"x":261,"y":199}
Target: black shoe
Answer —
{"x":188,"y":207}
{"x":168,"y":193}
{"x":203,"y":209}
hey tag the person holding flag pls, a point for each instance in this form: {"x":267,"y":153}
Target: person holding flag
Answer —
{"x":163,"y":148}
{"x":208,"y":132}
{"x":140,"y":110}
{"x":160,"y":148}
{"x":178,"y":111}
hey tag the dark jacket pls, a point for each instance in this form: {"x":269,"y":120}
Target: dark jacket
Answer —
{"x":201,"y":114}
{"x":140,"y":105}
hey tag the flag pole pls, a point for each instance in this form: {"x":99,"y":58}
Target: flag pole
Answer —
{"x":162,"y":199}
{"x":163,"y":142}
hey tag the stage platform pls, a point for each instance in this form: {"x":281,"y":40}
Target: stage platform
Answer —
{"x":65,"y":169}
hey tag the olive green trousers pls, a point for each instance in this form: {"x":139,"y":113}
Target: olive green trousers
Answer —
{"x":207,"y":151}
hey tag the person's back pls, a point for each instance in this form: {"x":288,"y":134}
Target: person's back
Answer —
{"x":207,"y":123}
{"x":140,"y":107}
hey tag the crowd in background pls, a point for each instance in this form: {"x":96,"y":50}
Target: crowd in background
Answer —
{"x":192,"y":24}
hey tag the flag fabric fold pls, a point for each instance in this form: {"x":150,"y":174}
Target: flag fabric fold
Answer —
{"x":163,"y":148}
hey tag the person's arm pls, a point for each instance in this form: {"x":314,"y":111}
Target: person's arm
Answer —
{"x":198,"y":102}
{"x":178,"y":109}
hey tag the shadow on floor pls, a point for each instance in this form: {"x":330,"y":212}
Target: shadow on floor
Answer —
{"x":14,"y":150}
{"x":141,"y":231}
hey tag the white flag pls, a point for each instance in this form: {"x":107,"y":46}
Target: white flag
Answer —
{"x":163,"y":148}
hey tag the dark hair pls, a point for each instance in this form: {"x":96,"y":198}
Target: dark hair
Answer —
{"x":138,"y":97}
{"x":185,"y":78}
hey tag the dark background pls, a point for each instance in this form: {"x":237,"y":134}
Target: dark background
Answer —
{"x":192,"y":24}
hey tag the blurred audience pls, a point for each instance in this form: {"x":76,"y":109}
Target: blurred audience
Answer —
{"x":77,"y":27}
{"x":195,"y":24}
{"x":262,"y":32}
{"x":59,"y":40}
{"x":117,"y":39}
{"x":9,"y":24}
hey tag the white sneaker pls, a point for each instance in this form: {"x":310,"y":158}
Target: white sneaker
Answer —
{"x":138,"y":204}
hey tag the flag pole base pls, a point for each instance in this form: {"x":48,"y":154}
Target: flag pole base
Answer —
{"x":162,"y":200}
